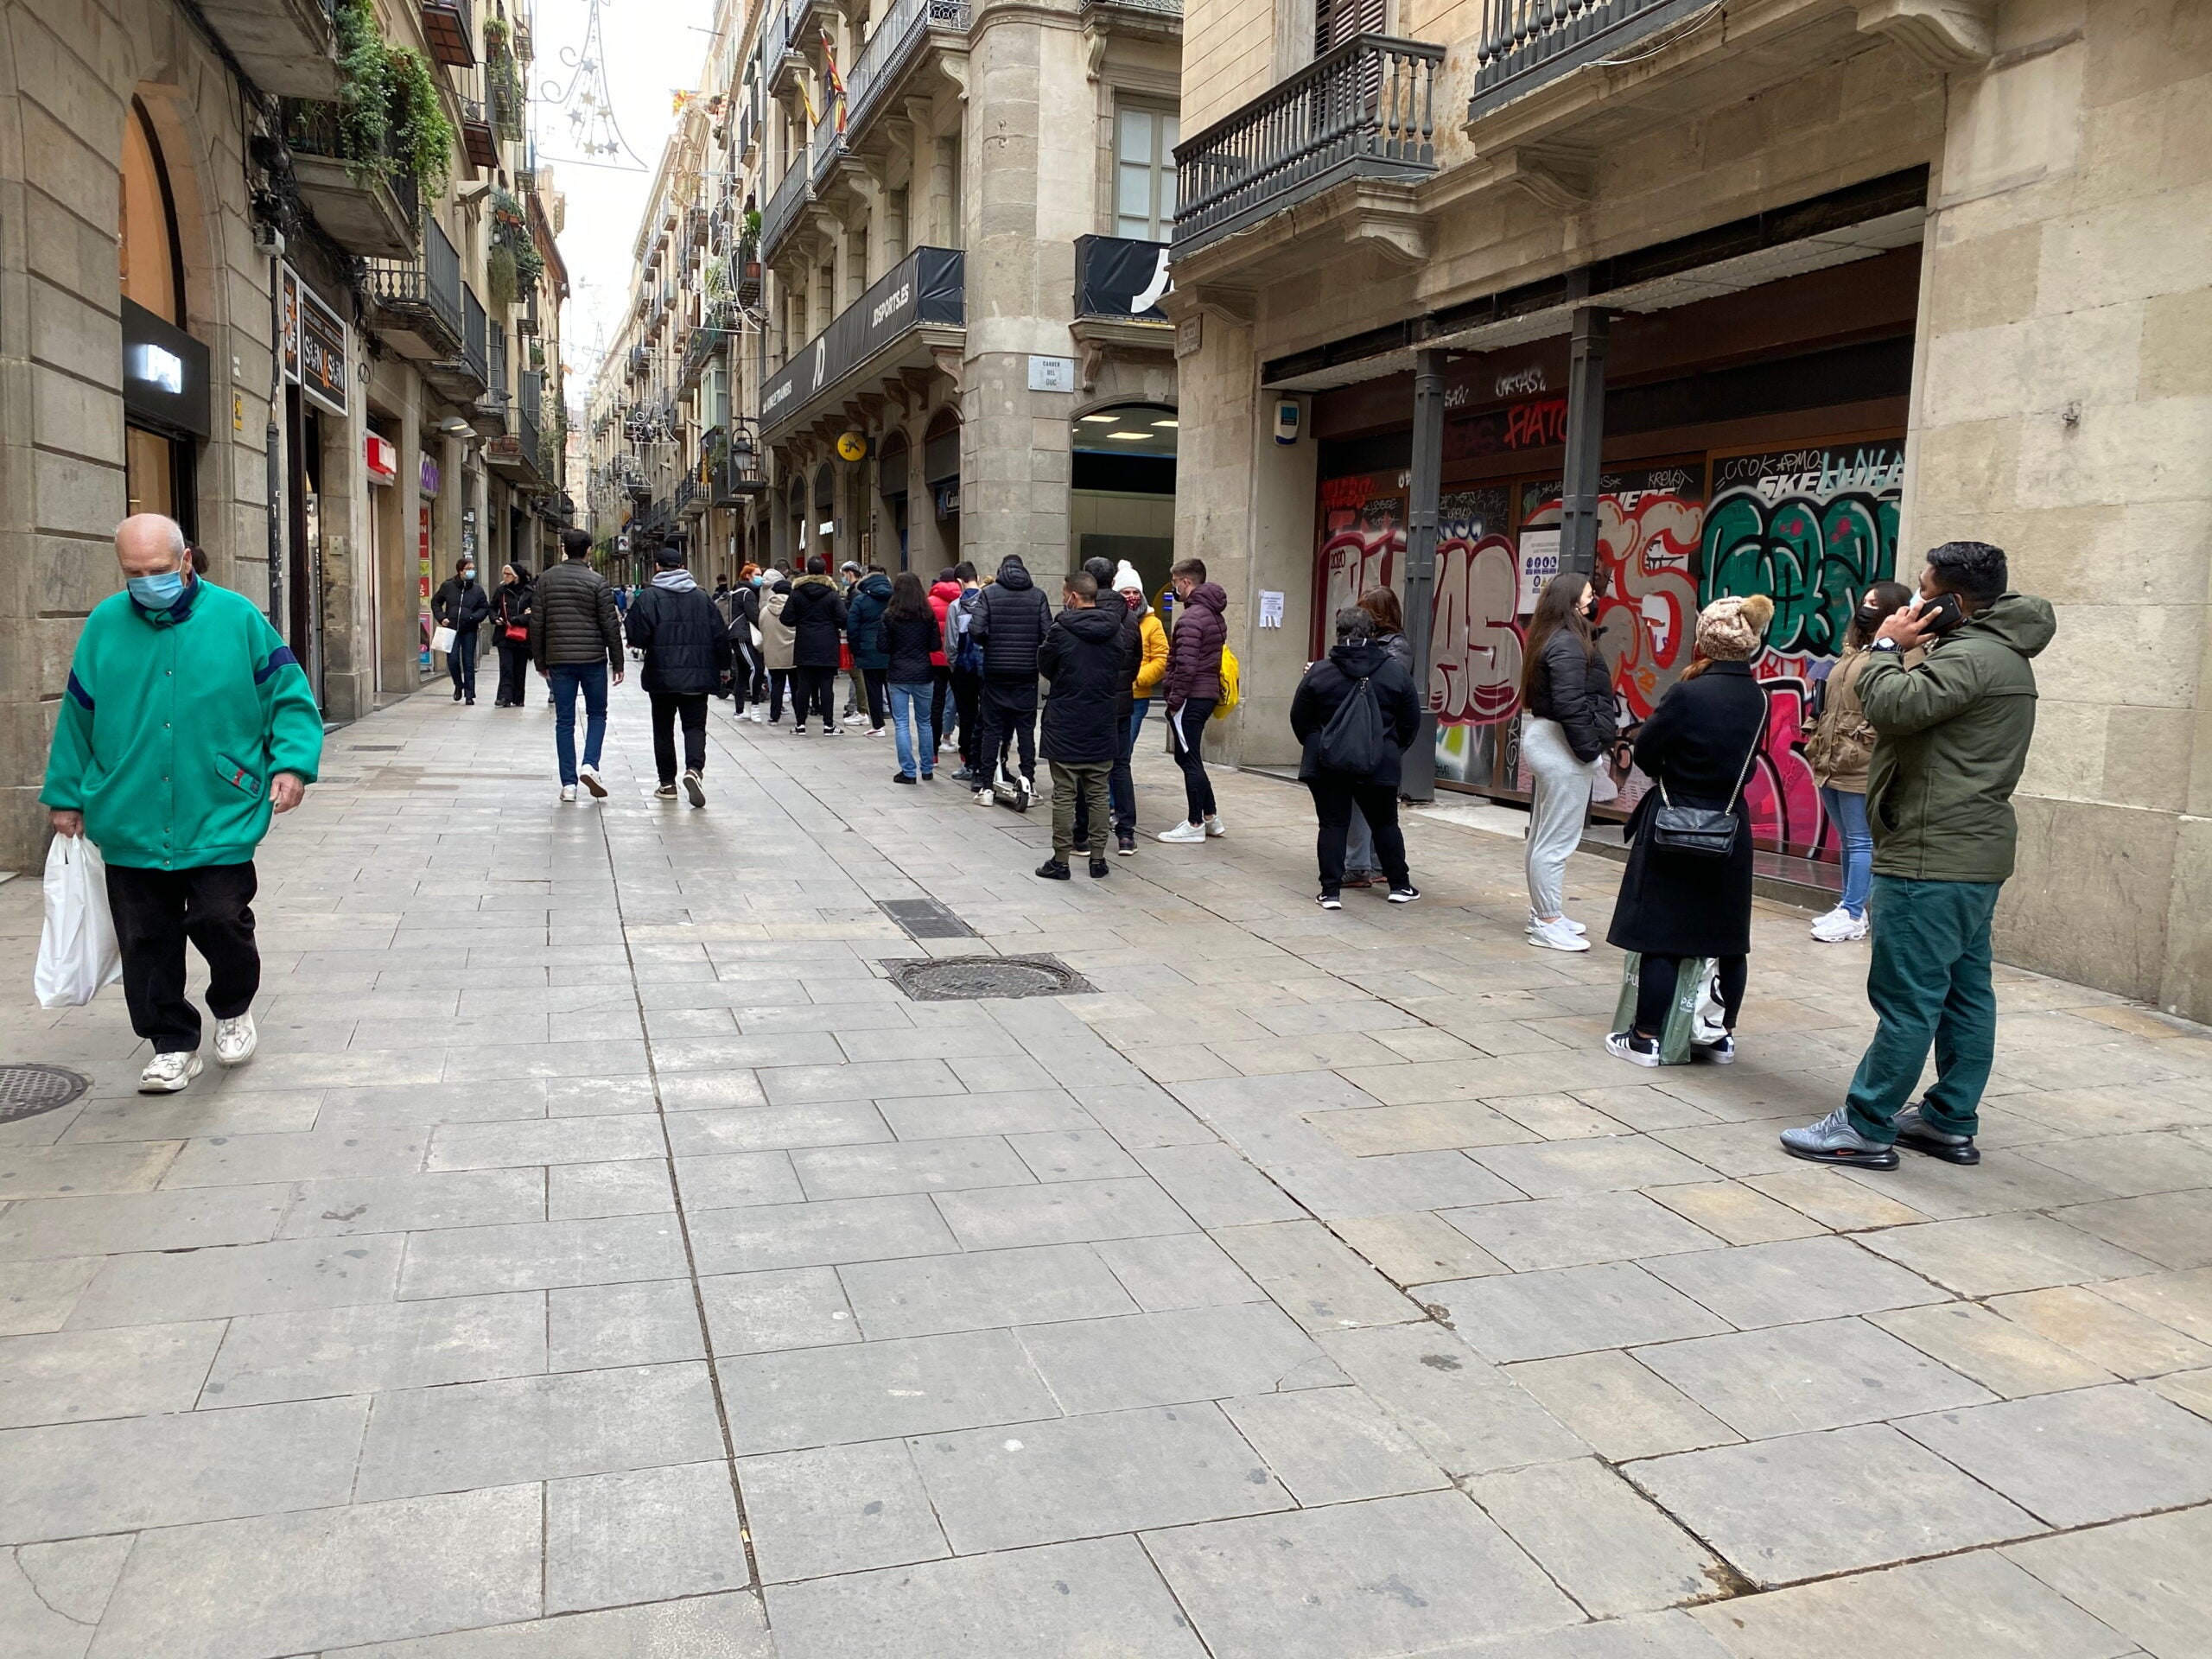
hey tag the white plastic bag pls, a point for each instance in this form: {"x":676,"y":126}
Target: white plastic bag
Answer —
{"x":441,"y":639}
{"x":77,"y":954}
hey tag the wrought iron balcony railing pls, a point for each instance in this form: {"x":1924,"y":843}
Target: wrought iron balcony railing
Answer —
{"x":892,"y":45}
{"x":1366,"y":109}
{"x":425,"y":290}
{"x":794,"y":192}
{"x":1526,"y":43}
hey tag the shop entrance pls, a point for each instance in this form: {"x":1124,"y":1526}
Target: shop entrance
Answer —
{"x":1122,"y":489}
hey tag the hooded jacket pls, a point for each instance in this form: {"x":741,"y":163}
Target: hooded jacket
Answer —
{"x":683,"y":637}
{"x":1951,"y":739}
{"x":1010,"y":621}
{"x":862,"y":614}
{"x":776,"y":641}
{"x":1194,"y":648}
{"x":1086,"y":658}
{"x":572,"y":619}
{"x":815,"y":615}
{"x":1329,"y":681}
{"x":943,"y":596}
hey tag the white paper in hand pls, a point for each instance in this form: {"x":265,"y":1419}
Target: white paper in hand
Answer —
{"x":77,"y":954}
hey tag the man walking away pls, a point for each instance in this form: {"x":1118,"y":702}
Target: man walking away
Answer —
{"x":1124,"y":609}
{"x":687,"y":650}
{"x":815,"y":613}
{"x":864,"y":616}
{"x":1951,"y":737}
{"x":1010,"y":622}
{"x":1193,"y":690}
{"x":1354,"y":712}
{"x":965,"y":659}
{"x":186,"y":725}
{"x":461,"y":604}
{"x":575,"y":639}
{"x":1085,"y":659}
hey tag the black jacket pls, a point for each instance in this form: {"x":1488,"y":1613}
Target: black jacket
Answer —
{"x":1084,"y":658}
{"x":863,"y":612}
{"x":572,"y":619}
{"x":1677,"y":905}
{"x":815,"y":615}
{"x":1329,"y":681}
{"x":903,"y":645}
{"x":1574,"y":687}
{"x":1011,"y":616}
{"x":511,"y":608}
{"x":686,"y":645}
{"x":462,"y":605}
{"x":1131,"y":624}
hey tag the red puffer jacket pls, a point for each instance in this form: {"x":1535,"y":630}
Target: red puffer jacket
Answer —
{"x":1194,"y":648}
{"x":942,"y":597}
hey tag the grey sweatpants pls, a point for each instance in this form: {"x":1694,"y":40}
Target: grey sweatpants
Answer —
{"x":1555,"y":817}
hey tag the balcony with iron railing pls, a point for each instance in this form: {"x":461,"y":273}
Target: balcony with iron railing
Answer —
{"x":829,"y":142}
{"x":367,"y":203}
{"x":1365,"y":109}
{"x":780,"y":216}
{"x":901,"y":35}
{"x":1526,"y":43}
{"x":417,"y":303}
{"x":464,"y":376}
{"x":1143,"y":11}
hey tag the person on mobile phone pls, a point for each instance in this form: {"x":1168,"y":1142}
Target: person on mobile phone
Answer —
{"x":1951,"y":738}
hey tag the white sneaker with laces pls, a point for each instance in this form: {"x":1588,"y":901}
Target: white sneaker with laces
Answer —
{"x":165,"y":1074}
{"x":1215,"y":826}
{"x":1557,"y":935}
{"x":1530,"y":925}
{"x":236,"y":1039}
{"x":856,"y":718}
{"x":1839,"y":926}
{"x":588,"y":776}
{"x":568,"y":792}
{"x":1183,"y":835}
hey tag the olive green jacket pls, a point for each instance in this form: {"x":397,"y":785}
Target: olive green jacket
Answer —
{"x":1952,"y":737}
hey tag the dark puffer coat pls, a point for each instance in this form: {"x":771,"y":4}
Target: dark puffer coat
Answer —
{"x":1572,"y":686}
{"x":904,"y":645}
{"x":863,"y":612}
{"x":685,"y":641}
{"x":1011,"y":616}
{"x":1328,"y":683}
{"x":573,"y":619}
{"x":1086,"y":661}
{"x":815,"y":615}
{"x":1194,"y":648}
{"x":462,"y":605}
{"x":1678,"y":904}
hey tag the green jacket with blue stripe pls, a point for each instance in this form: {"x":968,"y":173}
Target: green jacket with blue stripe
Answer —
{"x":173,"y":723}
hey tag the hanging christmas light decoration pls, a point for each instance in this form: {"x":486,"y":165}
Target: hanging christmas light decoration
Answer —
{"x":588,"y":104}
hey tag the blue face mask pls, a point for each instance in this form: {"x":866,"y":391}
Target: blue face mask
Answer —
{"x":157,"y":593}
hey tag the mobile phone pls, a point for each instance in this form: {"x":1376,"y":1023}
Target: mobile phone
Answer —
{"x":1940,"y":614}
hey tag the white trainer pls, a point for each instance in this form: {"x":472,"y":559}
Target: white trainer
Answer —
{"x":165,"y":1074}
{"x":568,"y":792}
{"x":1557,"y":935}
{"x":1839,"y":926}
{"x":1530,"y":925}
{"x":1215,"y":826}
{"x":592,"y":781}
{"x":1183,"y":835}
{"x":236,"y":1039}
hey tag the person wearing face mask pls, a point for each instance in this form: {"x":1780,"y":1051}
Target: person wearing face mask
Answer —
{"x":461,"y":604}
{"x":186,"y":724}
{"x":1839,"y":750}
{"x":1568,"y":723}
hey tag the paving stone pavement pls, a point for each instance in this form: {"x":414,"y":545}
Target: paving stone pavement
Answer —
{"x":603,"y":1258}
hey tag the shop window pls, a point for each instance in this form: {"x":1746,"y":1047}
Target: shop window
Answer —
{"x":1121,"y":487}
{"x":1144,"y":172}
{"x":153,"y":268}
{"x":164,"y":370}
{"x":941,"y":462}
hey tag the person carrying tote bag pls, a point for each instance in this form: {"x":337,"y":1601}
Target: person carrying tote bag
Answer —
{"x":1686,"y":894}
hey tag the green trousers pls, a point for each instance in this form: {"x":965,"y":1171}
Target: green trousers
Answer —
{"x":1090,"y":778}
{"x":1929,"y":982}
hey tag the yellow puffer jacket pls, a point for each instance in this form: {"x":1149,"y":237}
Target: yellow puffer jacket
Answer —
{"x":1152,"y":666}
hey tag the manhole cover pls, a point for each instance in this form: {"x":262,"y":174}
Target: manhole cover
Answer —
{"x":27,"y":1091}
{"x":963,"y":978}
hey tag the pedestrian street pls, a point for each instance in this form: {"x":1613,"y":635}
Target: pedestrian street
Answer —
{"x":604,"y":1256}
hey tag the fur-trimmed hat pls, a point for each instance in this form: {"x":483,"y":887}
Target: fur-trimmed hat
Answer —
{"x":1733,"y":630}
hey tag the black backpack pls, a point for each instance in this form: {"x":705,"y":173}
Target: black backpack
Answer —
{"x":1354,"y":741}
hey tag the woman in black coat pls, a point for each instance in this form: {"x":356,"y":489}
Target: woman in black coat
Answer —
{"x":511,"y":631}
{"x":1697,"y":749}
{"x":1373,"y":792}
{"x":815,"y":615}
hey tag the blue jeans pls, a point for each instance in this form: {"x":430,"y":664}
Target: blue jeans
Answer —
{"x":1849,"y":811}
{"x":568,"y":679}
{"x":910,"y":728}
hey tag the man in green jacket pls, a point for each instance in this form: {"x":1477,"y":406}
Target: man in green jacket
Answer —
{"x":1952,"y":736}
{"x":185,"y":724}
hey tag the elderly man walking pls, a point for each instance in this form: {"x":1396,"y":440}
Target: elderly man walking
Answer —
{"x":186,"y":724}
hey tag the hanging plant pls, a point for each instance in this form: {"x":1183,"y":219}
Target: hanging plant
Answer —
{"x":511,"y":235}
{"x":495,"y":34}
{"x":365,"y":89}
{"x":499,"y":275}
{"x":425,"y":135}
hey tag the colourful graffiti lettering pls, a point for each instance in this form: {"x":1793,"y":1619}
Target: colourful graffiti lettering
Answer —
{"x":1475,"y":653}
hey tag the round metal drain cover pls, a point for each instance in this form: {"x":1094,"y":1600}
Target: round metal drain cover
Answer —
{"x":27,"y":1091}
{"x":960,"y":979}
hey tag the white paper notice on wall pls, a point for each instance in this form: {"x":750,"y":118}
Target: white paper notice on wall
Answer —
{"x":1051,"y":374}
{"x":1271,"y":609}
{"x":1539,"y":564}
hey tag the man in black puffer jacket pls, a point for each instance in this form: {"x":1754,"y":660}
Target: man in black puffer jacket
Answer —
{"x":576,"y":640}
{"x":815,"y":615}
{"x":1120,"y":788}
{"x":687,"y":650}
{"x":1086,"y":661}
{"x":1010,"y":623}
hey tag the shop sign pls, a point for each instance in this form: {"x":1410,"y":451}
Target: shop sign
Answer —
{"x":428,"y":480}
{"x":926,"y":288}
{"x":1120,"y":279}
{"x":315,"y":355}
{"x":1051,"y":374}
{"x":164,"y":372}
{"x":381,"y":456}
{"x":948,"y":500}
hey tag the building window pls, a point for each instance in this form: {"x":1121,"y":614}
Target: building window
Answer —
{"x":158,"y":448}
{"x":1144,"y":172}
{"x":153,"y":273}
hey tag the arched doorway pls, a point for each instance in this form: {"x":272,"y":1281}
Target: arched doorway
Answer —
{"x":1122,"y":488}
{"x":941,"y":477}
{"x":893,"y":468}
{"x":164,"y":369}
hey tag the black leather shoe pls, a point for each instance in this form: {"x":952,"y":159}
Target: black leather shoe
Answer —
{"x":1053,"y":870}
{"x":1100,"y":867}
{"x":1915,"y":1133}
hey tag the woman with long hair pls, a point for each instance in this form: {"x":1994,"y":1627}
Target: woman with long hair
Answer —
{"x":1567,"y":723}
{"x":1839,"y":750}
{"x":907,"y":635}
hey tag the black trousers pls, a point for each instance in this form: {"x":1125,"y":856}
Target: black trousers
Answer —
{"x":1007,"y":720}
{"x":940,"y":691}
{"x":779,"y":682}
{"x":514,"y":672}
{"x":1656,"y":976}
{"x":461,"y":662}
{"x":690,"y":707}
{"x":967,"y":698}
{"x":155,"y":911}
{"x":1336,"y":796}
{"x":815,"y":691}
{"x":878,"y":681}
{"x":1187,"y":727}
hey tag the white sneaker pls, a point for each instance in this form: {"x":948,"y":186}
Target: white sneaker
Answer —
{"x":856,"y":718}
{"x":983,"y":797}
{"x":568,"y":792}
{"x":1530,"y":925}
{"x":1183,"y":835}
{"x":1839,"y":926}
{"x":757,"y":715}
{"x":165,"y":1074}
{"x":1556,"y":935}
{"x":590,"y":779}
{"x":1215,"y":826}
{"x":236,"y":1039}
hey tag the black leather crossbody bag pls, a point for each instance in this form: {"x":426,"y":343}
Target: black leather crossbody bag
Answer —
{"x":1700,"y":831}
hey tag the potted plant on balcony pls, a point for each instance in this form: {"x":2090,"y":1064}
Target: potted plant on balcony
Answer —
{"x":513,"y":264}
{"x":390,"y":116}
